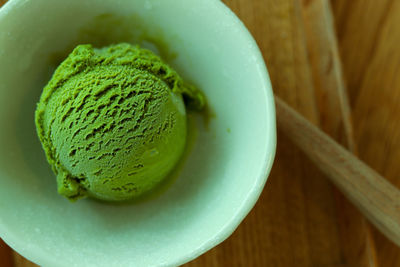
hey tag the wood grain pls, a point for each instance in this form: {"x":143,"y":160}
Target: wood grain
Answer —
{"x":373,"y":194}
{"x":277,"y":26}
{"x":300,"y":220}
{"x":330,"y":90}
{"x":20,"y":261}
{"x":6,"y":259}
{"x":335,"y":120}
{"x":369,"y":38}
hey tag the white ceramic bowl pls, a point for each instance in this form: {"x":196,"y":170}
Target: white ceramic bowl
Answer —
{"x":222,"y":178}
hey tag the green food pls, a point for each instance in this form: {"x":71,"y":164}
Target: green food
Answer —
{"x":112,"y":121}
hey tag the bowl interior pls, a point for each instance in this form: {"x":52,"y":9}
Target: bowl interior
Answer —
{"x":222,"y":177}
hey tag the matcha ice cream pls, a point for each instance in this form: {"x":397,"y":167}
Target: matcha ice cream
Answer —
{"x":112,"y":121}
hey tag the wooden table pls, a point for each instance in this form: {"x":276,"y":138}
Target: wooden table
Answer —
{"x":301,"y":219}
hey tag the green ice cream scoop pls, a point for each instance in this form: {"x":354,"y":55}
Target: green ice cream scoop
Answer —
{"x":112,"y":121}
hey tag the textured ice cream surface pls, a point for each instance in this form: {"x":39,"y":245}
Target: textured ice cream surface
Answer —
{"x":112,"y":121}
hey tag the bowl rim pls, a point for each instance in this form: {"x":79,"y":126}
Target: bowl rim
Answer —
{"x":270,"y":150}
{"x":252,"y":196}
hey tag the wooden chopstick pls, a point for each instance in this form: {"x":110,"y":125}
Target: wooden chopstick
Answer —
{"x":376,"y":198}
